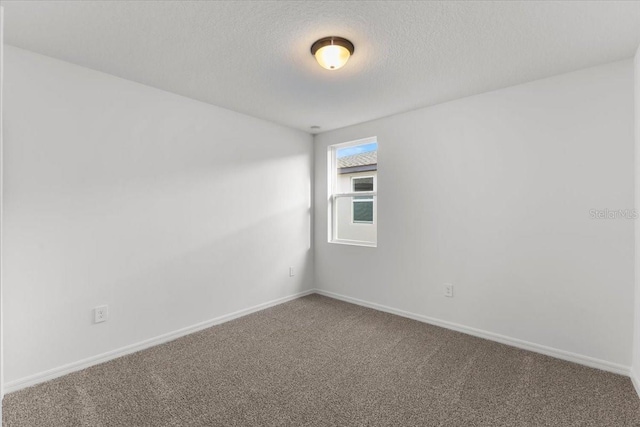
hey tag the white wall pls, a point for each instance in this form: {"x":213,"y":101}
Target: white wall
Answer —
{"x":492,"y":193}
{"x":171,"y":211}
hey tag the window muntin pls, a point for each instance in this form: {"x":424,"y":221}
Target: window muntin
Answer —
{"x":352,"y":191}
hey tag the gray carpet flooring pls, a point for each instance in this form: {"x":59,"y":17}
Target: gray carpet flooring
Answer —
{"x":317,"y":361}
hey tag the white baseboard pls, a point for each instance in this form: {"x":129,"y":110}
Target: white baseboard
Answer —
{"x":161,"y":339}
{"x":123,"y":351}
{"x":635,"y":381}
{"x":514,"y":342}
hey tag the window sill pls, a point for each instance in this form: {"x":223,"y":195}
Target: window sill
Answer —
{"x":354,"y":243}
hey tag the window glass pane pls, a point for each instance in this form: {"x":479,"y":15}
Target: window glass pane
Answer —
{"x":354,"y":220}
{"x":357,"y":149}
{"x":363,"y":184}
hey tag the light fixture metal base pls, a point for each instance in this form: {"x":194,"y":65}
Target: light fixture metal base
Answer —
{"x":332,"y":40}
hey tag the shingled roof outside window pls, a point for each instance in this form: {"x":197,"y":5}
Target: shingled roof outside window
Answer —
{"x":360,"y":162}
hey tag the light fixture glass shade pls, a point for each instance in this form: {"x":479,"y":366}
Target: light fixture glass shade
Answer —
{"x":332,"y":56}
{"x":332,"y":52}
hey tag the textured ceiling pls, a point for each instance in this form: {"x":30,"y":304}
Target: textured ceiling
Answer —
{"x":253,"y":57}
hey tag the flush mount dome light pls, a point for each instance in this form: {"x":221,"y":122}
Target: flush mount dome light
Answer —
{"x":332,"y":52}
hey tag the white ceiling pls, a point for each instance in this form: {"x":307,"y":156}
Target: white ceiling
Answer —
{"x":253,"y":57}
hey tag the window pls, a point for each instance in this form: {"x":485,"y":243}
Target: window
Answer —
{"x":353,"y":169}
{"x":362,"y":206}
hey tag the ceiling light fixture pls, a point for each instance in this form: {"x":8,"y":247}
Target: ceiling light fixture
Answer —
{"x":332,"y":52}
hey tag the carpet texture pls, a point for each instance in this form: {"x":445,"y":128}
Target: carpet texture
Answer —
{"x":317,"y":361}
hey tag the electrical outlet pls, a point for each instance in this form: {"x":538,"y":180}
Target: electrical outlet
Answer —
{"x":100,"y":314}
{"x":291,"y":272}
{"x":448,"y":290}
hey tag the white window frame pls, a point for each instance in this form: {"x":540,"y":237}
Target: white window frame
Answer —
{"x":333,"y":195}
{"x":354,"y":200}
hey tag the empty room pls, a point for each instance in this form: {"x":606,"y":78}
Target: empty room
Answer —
{"x":320,"y":213}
